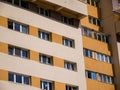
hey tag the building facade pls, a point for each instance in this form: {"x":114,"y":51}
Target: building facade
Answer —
{"x":59,"y":45}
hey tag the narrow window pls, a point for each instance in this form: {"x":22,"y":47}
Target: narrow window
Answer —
{"x":46,"y":85}
{"x":45,"y":59}
{"x":18,"y":78}
{"x":69,"y":87}
{"x":18,"y":27}
{"x":70,"y":65}
{"x":68,"y":42}
{"x":44,"y":35}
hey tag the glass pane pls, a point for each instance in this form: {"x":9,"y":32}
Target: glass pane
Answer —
{"x":50,"y":85}
{"x":24,"y":4}
{"x":10,"y":51}
{"x":41,"y":11}
{"x":19,"y":78}
{"x":65,"y":19}
{"x":44,"y":85}
{"x":47,"y":36}
{"x":11,"y":77}
{"x":17,"y":27}
{"x":24,"y":54}
{"x":93,"y":75}
{"x":48,"y":61}
{"x":10,"y":24}
{"x":41,"y":58}
{"x":89,"y":33}
{"x":24,"y":29}
{"x":91,"y":54}
{"x":86,"y":53}
{"x":10,"y":1}
{"x":16,"y":2}
{"x":46,"y":12}
{"x":17,"y":52}
{"x":26,"y":80}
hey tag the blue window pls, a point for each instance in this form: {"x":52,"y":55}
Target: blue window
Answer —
{"x":26,"y":80}
{"x":11,"y":77}
{"x":24,"y":29}
{"x":18,"y":78}
{"x":90,"y":74}
{"x":93,"y":75}
{"x":24,"y":54}
{"x":17,"y":27}
{"x":68,"y":87}
{"x":70,"y":65}
{"x":45,"y":59}
{"x":18,"y":52}
{"x":88,"y":53}
{"x":68,"y":42}
{"x":46,"y":85}
{"x":10,"y":51}
{"x":44,"y":35}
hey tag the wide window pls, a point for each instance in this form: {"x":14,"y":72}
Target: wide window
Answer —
{"x":18,"y":78}
{"x":100,"y":37}
{"x":45,"y":59}
{"x":46,"y":85}
{"x":44,"y":35}
{"x":44,"y":12}
{"x":70,"y":66}
{"x":106,"y":78}
{"x":93,"y":3}
{"x":17,"y":26}
{"x":88,"y":53}
{"x":90,"y":74}
{"x":86,"y":32}
{"x":69,"y":87}
{"x":94,"y":21}
{"x":68,"y":42}
{"x":103,"y":57}
{"x":18,"y":52}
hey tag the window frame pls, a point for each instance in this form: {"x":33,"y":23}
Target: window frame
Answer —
{"x":88,"y":53}
{"x":20,"y":27}
{"x":72,"y":87}
{"x":22,"y":78}
{"x":21,"y":52}
{"x":91,"y":75}
{"x":44,"y":35}
{"x":70,"y":65}
{"x":68,"y":42}
{"x":45,"y":59}
{"x":42,"y":82}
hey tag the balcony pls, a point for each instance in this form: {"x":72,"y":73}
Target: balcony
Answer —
{"x":77,"y":7}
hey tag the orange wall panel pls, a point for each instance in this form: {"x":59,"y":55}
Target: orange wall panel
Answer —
{"x":85,"y":22}
{"x":35,"y":82}
{"x":59,"y":86}
{"x":3,"y":47}
{"x":3,"y":21}
{"x":56,"y":38}
{"x":96,"y":45}
{"x":96,"y":85}
{"x":33,"y":31}
{"x":58,"y":62}
{"x":3,"y":75}
{"x":92,"y":11}
{"x":34,"y":55}
{"x":98,"y":66}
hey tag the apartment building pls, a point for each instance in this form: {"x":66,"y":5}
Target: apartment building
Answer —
{"x":96,"y":47}
{"x":58,"y":45}
{"x":111,"y":24}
